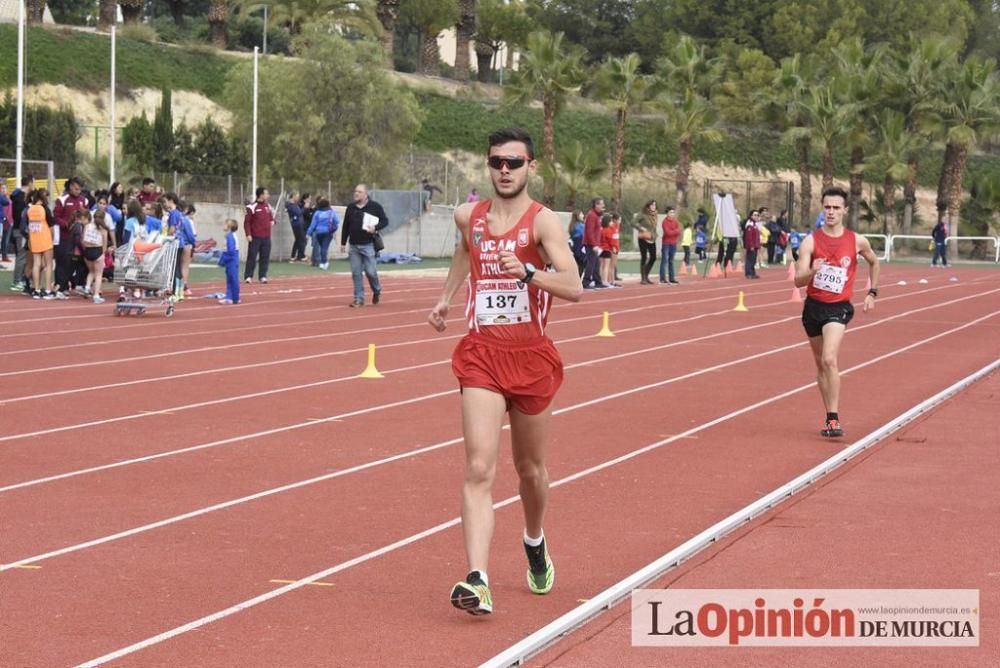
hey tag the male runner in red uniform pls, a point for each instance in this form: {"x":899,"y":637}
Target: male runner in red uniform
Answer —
{"x":513,"y":257}
{"x":828,"y":259}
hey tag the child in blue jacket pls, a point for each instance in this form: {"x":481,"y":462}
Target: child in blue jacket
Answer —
{"x":325,"y":222}
{"x":230,"y":259}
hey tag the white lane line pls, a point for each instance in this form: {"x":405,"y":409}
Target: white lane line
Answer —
{"x":265,"y":493}
{"x":551,"y":633}
{"x":430,"y":338}
{"x":409,"y":540}
{"x":336,"y":317}
{"x":235,"y":439}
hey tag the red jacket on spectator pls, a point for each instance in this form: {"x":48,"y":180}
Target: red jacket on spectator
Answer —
{"x":751,"y":237}
{"x":147,"y":197}
{"x":258,"y":221}
{"x":592,"y":228}
{"x":66,"y":206}
{"x":671,"y":231}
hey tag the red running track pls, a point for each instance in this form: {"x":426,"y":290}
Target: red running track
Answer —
{"x":177,"y":559}
{"x":916,"y":512}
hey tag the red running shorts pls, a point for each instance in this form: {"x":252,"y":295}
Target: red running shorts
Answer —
{"x":527,"y":373}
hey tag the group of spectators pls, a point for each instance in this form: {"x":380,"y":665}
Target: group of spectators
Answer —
{"x":318,"y":222}
{"x":595,"y":239}
{"x":66,"y":245}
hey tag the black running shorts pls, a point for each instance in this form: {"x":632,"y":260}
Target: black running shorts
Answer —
{"x":815,"y":314}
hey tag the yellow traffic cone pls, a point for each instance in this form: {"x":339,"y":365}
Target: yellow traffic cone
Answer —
{"x":605,"y":329}
{"x":739,"y":305}
{"x":370,"y":371}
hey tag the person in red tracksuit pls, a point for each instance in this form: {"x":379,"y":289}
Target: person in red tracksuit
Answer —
{"x":257,"y":224}
{"x":828,"y":259}
{"x":66,"y":206}
{"x":671,"y":235}
{"x":751,"y":244}
{"x":592,"y":245}
{"x":514,"y":257}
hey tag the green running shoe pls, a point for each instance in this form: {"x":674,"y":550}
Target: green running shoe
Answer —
{"x":541,"y":571}
{"x":472,"y":595}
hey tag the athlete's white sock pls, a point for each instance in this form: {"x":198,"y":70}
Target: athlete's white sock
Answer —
{"x":533,"y":542}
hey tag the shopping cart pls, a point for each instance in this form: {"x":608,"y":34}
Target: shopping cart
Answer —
{"x":144,"y":272}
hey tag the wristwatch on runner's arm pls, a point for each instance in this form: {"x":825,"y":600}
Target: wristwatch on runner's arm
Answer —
{"x":529,"y":272}
{"x":873,"y":292}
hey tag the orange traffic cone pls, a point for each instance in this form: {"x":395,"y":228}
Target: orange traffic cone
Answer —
{"x":714,"y":271}
{"x":796,"y":296}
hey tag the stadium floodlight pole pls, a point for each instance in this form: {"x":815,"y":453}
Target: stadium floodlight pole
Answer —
{"x":253,"y":153}
{"x":265,"y":30}
{"x":111,"y":153}
{"x":19,"y":152}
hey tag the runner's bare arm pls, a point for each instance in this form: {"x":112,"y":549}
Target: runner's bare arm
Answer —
{"x":874,"y":268}
{"x":458,"y":271}
{"x":550,"y":234}
{"x":804,"y":270}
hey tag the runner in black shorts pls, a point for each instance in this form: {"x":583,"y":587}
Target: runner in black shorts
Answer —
{"x":827,"y":263}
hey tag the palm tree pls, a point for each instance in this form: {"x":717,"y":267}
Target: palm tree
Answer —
{"x":549,"y":72}
{"x":218,"y":15}
{"x":688,"y":120}
{"x":464,"y":30}
{"x":913,"y":78}
{"x":621,"y":85}
{"x":984,"y":204}
{"x":895,"y":148}
{"x":859,"y":72}
{"x":388,"y":16}
{"x":107,"y":14}
{"x":35,"y":11}
{"x":577,"y":167}
{"x":132,"y":11}
{"x":969,"y":110}
{"x":686,"y":77}
{"x":429,"y":18}
{"x":783,"y":109}
{"x":826,"y":121}
{"x":294,"y":14}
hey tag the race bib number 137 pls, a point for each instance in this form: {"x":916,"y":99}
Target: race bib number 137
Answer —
{"x":502,"y":302}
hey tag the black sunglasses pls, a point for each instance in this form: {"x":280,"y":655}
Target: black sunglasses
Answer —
{"x":512,"y":161}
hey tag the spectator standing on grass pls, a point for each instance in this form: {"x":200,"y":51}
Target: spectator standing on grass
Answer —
{"x":616,"y":248}
{"x":576,"y":228}
{"x":671,"y":235}
{"x":71,"y":201}
{"x":148,"y":193}
{"x":324,"y":225}
{"x":592,"y":244}
{"x":96,"y":237}
{"x":230,"y":259}
{"x":113,"y":215}
{"x":472,"y":197}
{"x":686,"y":236}
{"x":940,"y":235}
{"x":257,"y":224}
{"x":6,"y":218}
{"x":41,"y":226}
{"x":751,"y":244}
{"x":19,"y":232}
{"x":362,"y":221}
{"x":701,"y":243}
{"x":134,"y":218}
{"x":645,"y":226}
{"x":607,"y":278}
{"x":295,"y":219}
{"x":186,"y":240}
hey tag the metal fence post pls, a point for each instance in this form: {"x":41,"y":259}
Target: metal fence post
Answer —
{"x":175,"y":181}
{"x":229,"y":190}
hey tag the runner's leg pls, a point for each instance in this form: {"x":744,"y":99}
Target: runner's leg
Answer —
{"x":482,"y":421}
{"x":826,"y":350}
{"x":530,"y":438}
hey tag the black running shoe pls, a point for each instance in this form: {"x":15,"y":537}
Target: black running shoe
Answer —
{"x":472,"y":595}
{"x":541,"y":570}
{"x":832,"y":429}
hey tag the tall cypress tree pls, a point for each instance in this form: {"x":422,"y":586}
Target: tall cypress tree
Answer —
{"x":163,"y":133}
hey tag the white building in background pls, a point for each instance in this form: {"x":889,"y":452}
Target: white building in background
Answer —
{"x":8,"y":12}
{"x":447,"y":47}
